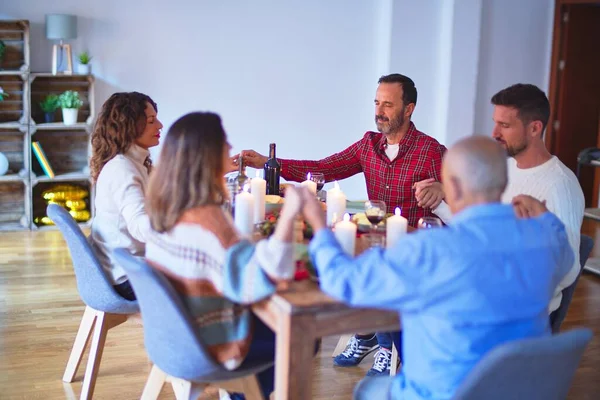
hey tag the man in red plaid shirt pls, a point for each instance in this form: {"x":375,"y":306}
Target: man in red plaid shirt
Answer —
{"x":393,"y":160}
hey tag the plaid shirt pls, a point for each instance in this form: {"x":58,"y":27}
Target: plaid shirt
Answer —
{"x":419,"y":157}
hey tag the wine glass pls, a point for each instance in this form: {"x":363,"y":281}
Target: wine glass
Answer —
{"x":319,"y":179}
{"x":375,"y":212}
{"x":429,"y":223}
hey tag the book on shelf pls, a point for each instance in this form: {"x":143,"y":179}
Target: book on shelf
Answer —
{"x":42,"y":159}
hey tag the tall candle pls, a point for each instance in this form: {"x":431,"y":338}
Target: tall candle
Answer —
{"x":345,"y":233}
{"x":395,"y":227}
{"x":244,"y":212}
{"x":311,"y":185}
{"x":258,"y":188}
{"x":336,"y":203}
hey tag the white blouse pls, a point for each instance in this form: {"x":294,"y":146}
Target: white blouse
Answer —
{"x":121,"y":219}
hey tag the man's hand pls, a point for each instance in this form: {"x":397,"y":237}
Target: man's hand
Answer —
{"x":429,"y":193}
{"x":528,"y":207}
{"x":313,"y":212}
{"x":253,"y":159}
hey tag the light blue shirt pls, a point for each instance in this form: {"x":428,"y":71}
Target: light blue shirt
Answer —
{"x":461,"y":290}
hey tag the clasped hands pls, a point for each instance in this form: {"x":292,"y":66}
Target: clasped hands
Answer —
{"x":299,"y":200}
{"x":430,"y":193}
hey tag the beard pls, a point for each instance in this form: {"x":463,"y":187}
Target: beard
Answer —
{"x":387,"y":126}
{"x":513,"y":149}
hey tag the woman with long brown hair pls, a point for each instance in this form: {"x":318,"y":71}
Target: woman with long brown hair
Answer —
{"x":216,"y":272}
{"x":125,"y":129}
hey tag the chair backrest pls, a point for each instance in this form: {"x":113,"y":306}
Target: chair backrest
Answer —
{"x":585,"y":248}
{"x":532,"y":369}
{"x":95,"y":289}
{"x":169,"y":334}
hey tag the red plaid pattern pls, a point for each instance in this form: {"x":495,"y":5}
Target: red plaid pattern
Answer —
{"x":419,"y":157}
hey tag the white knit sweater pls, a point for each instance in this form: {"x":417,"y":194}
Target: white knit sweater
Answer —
{"x":554,"y":182}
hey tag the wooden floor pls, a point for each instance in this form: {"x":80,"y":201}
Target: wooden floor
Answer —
{"x":40,"y":311}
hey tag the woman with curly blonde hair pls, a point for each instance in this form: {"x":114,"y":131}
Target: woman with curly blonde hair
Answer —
{"x":125,"y":129}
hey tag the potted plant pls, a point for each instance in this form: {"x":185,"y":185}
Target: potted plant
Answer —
{"x":49,"y":106}
{"x":3,"y":94}
{"x":84,"y":66}
{"x":70,"y":103}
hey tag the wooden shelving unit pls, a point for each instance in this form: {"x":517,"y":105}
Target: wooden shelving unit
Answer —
{"x":67,"y":147}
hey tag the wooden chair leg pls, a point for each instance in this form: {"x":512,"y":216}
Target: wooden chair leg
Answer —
{"x":183,"y":389}
{"x":103,"y":323}
{"x":80,"y":344}
{"x":394,"y":361}
{"x":154,"y":384}
{"x":341,"y":345}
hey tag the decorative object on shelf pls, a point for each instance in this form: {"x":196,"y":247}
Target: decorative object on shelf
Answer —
{"x":65,"y":192}
{"x":42,"y":159}
{"x":71,"y":197}
{"x":84,"y":67}
{"x":3,"y":94}
{"x":70,"y":103}
{"x":61,"y":27}
{"x":2,"y":51}
{"x":49,"y":106}
{"x":3,"y":164}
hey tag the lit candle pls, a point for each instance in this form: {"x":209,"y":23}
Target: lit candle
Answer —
{"x":336,"y":202}
{"x":244,"y":212}
{"x":395,"y":227}
{"x":258,"y":187}
{"x":311,"y":185}
{"x":345,"y":233}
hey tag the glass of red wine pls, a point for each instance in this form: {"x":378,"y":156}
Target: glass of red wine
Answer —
{"x":375,"y":212}
{"x":319,"y":179}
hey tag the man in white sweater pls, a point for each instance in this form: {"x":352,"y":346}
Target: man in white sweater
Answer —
{"x":521,"y":113}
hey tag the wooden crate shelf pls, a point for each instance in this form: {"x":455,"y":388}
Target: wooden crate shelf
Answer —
{"x":14,"y":204}
{"x":67,"y":148}
{"x":45,"y":84}
{"x":15,"y":35}
{"x":13,"y":109}
{"x":13,"y":143}
{"x":39,"y":204}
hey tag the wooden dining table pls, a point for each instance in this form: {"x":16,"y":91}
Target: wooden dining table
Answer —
{"x":299,"y":315}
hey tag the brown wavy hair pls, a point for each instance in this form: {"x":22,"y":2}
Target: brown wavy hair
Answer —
{"x":190,"y":171}
{"x":121,"y":120}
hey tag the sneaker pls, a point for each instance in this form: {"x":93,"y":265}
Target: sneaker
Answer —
{"x":355,"y":351}
{"x":381,"y":365}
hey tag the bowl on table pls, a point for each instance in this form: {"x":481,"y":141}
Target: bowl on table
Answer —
{"x":273,"y":203}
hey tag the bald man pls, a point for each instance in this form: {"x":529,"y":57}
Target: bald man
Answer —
{"x":461,"y":290}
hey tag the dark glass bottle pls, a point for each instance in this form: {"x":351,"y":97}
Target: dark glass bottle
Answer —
{"x":272,"y":171}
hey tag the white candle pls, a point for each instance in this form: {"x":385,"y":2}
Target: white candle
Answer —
{"x":345,"y":233}
{"x":311,"y":185}
{"x":336,"y":203}
{"x":244,"y":212}
{"x":258,"y":188}
{"x":395,"y":228}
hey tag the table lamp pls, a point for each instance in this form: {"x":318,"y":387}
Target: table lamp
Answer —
{"x":61,"y":27}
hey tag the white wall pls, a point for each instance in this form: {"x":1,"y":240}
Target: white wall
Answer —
{"x":515,"y":47}
{"x":303,"y":73}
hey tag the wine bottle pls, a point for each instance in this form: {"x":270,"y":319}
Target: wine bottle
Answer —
{"x":272,"y":172}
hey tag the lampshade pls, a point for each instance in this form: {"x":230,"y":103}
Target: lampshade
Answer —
{"x":61,"y":26}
